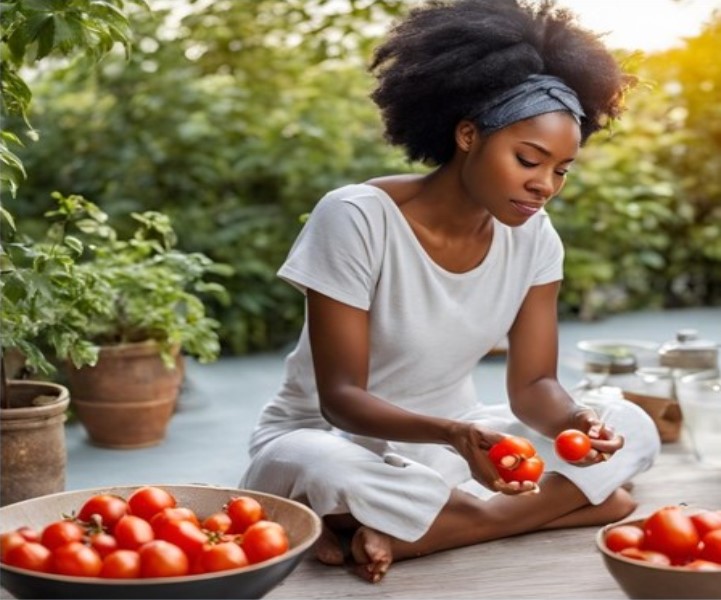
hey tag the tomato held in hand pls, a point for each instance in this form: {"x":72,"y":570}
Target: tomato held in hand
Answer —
{"x":671,"y":532}
{"x":572,"y":445}
{"x":515,"y":459}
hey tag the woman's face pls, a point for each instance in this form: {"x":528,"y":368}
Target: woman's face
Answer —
{"x":515,"y":171}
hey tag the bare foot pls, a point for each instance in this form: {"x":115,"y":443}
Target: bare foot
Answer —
{"x":372,"y":553}
{"x":328,"y":549}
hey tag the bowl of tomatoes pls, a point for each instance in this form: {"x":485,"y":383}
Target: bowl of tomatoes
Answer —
{"x":675,"y":552}
{"x":153,"y":541}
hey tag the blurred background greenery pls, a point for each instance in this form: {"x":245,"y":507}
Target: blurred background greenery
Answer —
{"x":235,"y":117}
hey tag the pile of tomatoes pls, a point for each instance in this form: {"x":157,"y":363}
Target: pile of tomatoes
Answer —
{"x":671,"y":536}
{"x":147,"y":534}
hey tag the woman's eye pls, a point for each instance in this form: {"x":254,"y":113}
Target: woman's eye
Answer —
{"x":562,"y":173}
{"x":524,"y":162}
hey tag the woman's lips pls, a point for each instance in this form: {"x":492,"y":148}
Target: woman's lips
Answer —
{"x":526,"y":209}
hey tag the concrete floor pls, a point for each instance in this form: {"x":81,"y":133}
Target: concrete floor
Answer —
{"x":207,"y":437}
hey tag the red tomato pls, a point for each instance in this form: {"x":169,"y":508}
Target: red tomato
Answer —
{"x":623,"y":536}
{"x":710,"y":547}
{"x":121,"y":564}
{"x":108,"y":507}
{"x":148,"y":500}
{"x":703,"y":565}
{"x":30,"y":555}
{"x":705,"y":521}
{"x":30,"y":534}
{"x":76,"y":559}
{"x":220,"y":557}
{"x":131,"y":532}
{"x":176,"y":513}
{"x":219,"y":521}
{"x":516,"y":460}
{"x":103,"y":543}
{"x":184,"y":534}
{"x":264,"y":540}
{"x":60,"y":533}
{"x":572,"y":445}
{"x":243,"y":512}
{"x":162,"y":559}
{"x":657,"y":558}
{"x":671,"y":532}
{"x":9,"y":540}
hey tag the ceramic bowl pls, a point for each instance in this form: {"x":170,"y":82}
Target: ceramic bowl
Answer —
{"x":302,"y":525}
{"x":639,"y":579}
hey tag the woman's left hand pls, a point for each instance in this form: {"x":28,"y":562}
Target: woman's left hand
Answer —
{"x":604,"y":441}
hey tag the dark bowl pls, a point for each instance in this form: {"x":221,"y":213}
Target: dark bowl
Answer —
{"x":302,"y":525}
{"x":639,"y":579}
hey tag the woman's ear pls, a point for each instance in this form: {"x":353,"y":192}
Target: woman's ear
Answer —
{"x":465,"y":134}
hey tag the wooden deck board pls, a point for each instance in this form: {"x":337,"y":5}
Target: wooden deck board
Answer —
{"x":556,"y":564}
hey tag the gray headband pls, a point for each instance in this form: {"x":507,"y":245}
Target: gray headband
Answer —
{"x":537,"y":95}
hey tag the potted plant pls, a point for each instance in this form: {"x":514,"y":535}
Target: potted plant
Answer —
{"x":154,"y":314}
{"x":46,"y":304}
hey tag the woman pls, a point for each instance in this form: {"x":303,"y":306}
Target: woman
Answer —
{"x":411,"y":279}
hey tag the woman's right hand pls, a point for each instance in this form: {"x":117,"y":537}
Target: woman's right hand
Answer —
{"x":472,"y":442}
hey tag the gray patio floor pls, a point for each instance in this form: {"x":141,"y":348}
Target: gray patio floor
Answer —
{"x":207,"y":437}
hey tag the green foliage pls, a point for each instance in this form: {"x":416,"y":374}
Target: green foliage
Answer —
{"x":46,"y":300}
{"x":151,"y":290}
{"x":68,"y":293}
{"x":30,"y":31}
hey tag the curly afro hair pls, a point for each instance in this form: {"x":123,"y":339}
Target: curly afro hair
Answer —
{"x":447,"y":57}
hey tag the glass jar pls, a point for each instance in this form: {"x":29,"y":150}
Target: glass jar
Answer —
{"x":688,"y":352}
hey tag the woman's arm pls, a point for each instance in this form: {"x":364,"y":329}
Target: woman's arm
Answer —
{"x":536,"y":396}
{"x":339,"y":338}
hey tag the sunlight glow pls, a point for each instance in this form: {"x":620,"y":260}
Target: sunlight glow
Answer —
{"x":647,"y":25}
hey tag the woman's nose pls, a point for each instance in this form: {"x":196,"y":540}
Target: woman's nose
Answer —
{"x":541,"y":185}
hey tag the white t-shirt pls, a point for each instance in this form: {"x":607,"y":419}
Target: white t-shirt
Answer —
{"x":429,"y":327}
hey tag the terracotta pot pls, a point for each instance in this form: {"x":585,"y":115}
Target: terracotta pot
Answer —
{"x":34,"y":455}
{"x":127,"y":399}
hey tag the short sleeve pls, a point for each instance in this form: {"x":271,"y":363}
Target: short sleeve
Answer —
{"x":337,"y":251}
{"x":549,"y":255}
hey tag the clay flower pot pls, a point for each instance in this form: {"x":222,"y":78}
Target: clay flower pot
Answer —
{"x":34,"y":455}
{"x":127,"y":399}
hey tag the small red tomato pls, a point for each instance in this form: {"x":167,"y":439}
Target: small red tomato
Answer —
{"x":131,"y":532}
{"x":220,"y":557}
{"x":162,"y":559}
{"x":30,"y":555}
{"x":710,"y":547}
{"x":515,"y":459}
{"x":264,"y":540}
{"x":219,"y":521}
{"x":244,"y":511}
{"x":148,"y":500}
{"x":705,"y":521}
{"x":703,"y":565}
{"x":76,"y":559}
{"x":671,"y":532}
{"x":121,"y":564}
{"x":184,"y":534}
{"x":175,"y":513}
{"x":60,"y":533}
{"x":103,"y":543}
{"x":108,"y":507}
{"x":30,"y":534}
{"x":9,"y":540}
{"x":623,"y":536}
{"x":572,"y":445}
{"x":656,"y":558}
